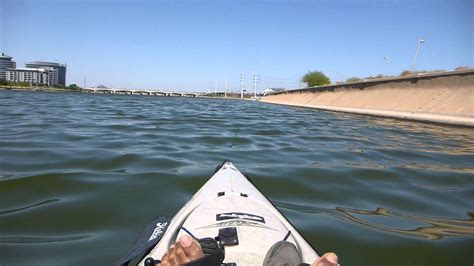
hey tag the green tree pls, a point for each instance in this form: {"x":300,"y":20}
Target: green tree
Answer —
{"x":23,"y":84}
{"x":353,"y":79}
{"x":379,"y":76}
{"x":315,"y":78}
{"x":73,"y":87}
{"x":406,"y":73}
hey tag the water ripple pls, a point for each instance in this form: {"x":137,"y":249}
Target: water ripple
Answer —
{"x":28,"y":207}
{"x":39,"y":240}
{"x":431,"y":228}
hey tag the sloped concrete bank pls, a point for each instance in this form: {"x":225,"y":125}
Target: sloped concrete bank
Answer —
{"x":446,"y":97}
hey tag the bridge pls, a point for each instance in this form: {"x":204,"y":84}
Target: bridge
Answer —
{"x":140,"y":92}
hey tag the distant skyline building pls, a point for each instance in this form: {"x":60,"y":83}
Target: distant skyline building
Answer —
{"x":61,"y":69}
{"x":5,"y":62}
{"x":45,"y":76}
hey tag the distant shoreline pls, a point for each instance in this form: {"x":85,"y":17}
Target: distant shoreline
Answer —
{"x":48,"y":89}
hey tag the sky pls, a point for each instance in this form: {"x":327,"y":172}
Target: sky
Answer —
{"x":194,"y":45}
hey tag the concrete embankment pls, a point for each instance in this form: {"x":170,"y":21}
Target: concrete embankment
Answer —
{"x":446,"y":97}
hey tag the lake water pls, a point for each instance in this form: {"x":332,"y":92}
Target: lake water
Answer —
{"x":82,"y":174}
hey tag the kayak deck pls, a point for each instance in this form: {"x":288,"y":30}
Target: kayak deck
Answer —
{"x":229,"y":199}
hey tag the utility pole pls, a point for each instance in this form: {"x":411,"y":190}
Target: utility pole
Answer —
{"x":85,"y":82}
{"x":225,"y":91}
{"x":242,"y":77}
{"x":420,"y":42}
{"x":255,"y":77}
{"x":215,"y":89}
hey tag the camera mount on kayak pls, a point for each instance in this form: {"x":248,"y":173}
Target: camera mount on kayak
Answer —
{"x":228,"y":236}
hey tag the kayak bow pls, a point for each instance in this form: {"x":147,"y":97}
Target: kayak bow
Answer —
{"x":229,"y":200}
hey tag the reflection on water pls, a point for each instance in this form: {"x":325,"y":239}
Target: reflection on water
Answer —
{"x":404,"y":133}
{"x":87,"y":172}
{"x":367,"y":164}
{"x":436,"y":228}
{"x":395,"y":222}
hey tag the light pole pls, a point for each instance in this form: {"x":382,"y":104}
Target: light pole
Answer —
{"x":388,"y":65}
{"x":242,"y":77}
{"x":225,"y":91}
{"x":420,"y":42}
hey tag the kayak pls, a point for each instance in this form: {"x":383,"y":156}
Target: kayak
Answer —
{"x":230,"y":207}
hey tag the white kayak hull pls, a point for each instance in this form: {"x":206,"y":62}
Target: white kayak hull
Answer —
{"x":229,"y":199}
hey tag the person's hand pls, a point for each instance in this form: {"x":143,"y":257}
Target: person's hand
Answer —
{"x":185,"y":250}
{"x":328,"y":259}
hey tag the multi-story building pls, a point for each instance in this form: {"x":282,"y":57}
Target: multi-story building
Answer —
{"x":61,"y":69}
{"x":45,"y":76}
{"x":5,"y":62}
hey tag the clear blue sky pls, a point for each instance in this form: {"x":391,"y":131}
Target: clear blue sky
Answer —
{"x":188,"y":45}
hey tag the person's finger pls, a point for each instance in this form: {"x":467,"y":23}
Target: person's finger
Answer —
{"x":172,"y":256}
{"x":191,"y":247}
{"x":164,"y":260}
{"x":328,"y":259}
{"x":181,"y":255}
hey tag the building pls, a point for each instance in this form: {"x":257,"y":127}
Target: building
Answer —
{"x":37,"y":72}
{"x":5,"y":62}
{"x":44,"y":76}
{"x":61,"y":70}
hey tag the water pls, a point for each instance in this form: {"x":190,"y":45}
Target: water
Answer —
{"x":82,"y":174}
